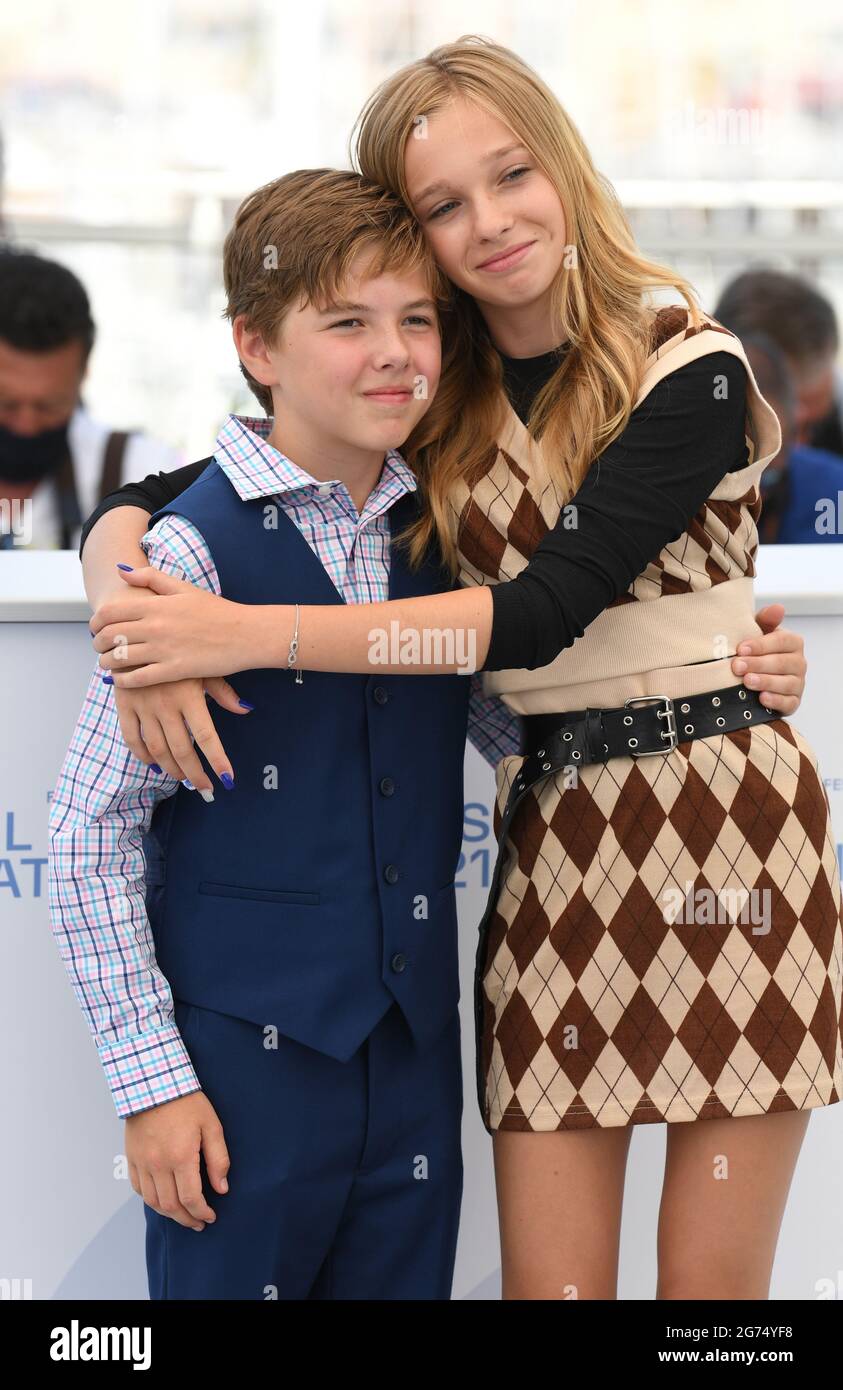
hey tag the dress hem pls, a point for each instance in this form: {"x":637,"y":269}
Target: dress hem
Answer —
{"x":776,"y":1102}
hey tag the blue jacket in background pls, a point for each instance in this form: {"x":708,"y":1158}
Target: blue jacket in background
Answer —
{"x":813,"y":474}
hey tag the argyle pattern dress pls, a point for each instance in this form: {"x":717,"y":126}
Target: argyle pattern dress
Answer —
{"x":667,"y":942}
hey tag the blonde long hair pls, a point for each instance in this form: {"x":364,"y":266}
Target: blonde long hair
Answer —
{"x":599,"y":302}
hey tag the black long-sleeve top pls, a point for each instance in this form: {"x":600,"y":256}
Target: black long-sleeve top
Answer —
{"x":638,"y":495}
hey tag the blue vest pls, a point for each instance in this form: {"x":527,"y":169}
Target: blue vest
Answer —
{"x":321,"y":888}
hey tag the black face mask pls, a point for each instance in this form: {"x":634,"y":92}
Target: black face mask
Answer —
{"x":27,"y":458}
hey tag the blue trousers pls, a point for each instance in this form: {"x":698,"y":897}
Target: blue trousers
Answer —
{"x":345,"y":1179}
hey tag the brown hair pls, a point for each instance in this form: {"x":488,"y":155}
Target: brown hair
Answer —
{"x":296,"y":237}
{"x":598,"y":303}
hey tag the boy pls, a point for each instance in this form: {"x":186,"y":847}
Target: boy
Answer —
{"x":296,"y":953}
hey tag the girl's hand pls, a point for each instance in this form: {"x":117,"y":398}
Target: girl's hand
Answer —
{"x":185,"y":632}
{"x":773,"y":665}
{"x":157,"y":721}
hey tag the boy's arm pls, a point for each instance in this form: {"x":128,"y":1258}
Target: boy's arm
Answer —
{"x":101,"y":807}
{"x":492,"y":727}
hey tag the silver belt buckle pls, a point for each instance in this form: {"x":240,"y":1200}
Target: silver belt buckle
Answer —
{"x":667,"y":713}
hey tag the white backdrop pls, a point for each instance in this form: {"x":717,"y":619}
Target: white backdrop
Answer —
{"x":70,"y":1224}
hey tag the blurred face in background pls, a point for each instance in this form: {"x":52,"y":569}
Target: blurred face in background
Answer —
{"x":814,"y":381}
{"x":39,"y":390}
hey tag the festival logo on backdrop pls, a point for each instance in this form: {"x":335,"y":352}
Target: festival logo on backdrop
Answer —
{"x":23,"y":871}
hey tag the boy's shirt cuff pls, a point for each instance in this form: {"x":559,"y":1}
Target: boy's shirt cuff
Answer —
{"x":147,"y":1070}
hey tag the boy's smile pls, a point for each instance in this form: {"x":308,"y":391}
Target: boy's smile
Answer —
{"x":390,"y":395}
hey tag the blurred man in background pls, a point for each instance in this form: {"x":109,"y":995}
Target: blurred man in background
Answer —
{"x":802,"y":322}
{"x":56,"y":461}
{"x":789,"y":331}
{"x":802,"y":487}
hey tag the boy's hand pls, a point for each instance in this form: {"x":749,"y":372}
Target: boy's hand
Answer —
{"x":157,"y":721}
{"x":163,"y":1147}
{"x":774,"y":665}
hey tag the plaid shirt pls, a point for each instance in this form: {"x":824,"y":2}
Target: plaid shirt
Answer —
{"x":104,"y":798}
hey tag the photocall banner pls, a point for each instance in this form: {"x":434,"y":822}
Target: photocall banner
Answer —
{"x":71,"y":1225}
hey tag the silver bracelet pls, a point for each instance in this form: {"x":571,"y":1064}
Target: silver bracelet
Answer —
{"x":294,"y":647}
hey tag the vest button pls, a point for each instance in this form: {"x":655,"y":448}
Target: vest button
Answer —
{"x":387,"y":786}
{"x":398,"y":961}
{"x":390,"y":873}
{"x":381,"y":695}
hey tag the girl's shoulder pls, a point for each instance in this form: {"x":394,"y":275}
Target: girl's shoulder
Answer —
{"x":676,"y":340}
{"x":672,"y":324}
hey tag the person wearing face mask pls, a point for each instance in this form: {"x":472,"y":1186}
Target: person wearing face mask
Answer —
{"x":802,"y":487}
{"x":56,"y":461}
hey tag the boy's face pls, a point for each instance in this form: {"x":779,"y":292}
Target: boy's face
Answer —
{"x":357,"y":375}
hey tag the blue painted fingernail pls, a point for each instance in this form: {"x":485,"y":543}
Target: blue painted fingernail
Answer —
{"x":227,"y":780}
{"x":125,"y":567}
{"x":245,"y":704}
{"x":108,"y":680}
{"x":189,"y":785}
{"x":156,"y":768}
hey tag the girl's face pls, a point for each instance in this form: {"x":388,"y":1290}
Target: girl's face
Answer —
{"x":493,"y":219}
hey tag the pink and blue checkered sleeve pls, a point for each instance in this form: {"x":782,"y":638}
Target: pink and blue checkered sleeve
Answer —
{"x":101,"y":806}
{"x":492,"y":727}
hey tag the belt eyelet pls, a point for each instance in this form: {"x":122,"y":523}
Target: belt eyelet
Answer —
{"x":545,"y":767}
{"x":684,"y":708}
{"x":747,"y":714}
{"x":741,"y":694}
{"x":576,"y":756}
{"x":720,"y":721}
{"x":689,"y":728}
{"x":627,"y":719}
{"x":716,"y":700}
{"x":632,"y":742}
{"x":567,"y":737}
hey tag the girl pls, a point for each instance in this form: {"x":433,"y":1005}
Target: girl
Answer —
{"x":591,"y":465}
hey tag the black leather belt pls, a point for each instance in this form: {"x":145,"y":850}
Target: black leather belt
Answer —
{"x":644,"y":726}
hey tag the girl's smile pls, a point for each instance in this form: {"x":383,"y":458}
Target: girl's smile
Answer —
{"x":504,"y":260}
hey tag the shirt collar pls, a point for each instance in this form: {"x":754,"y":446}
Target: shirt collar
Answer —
{"x":256,"y":469}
